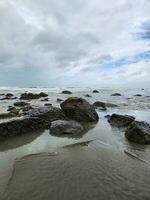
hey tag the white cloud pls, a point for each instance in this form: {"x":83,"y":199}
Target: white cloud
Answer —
{"x":70,"y":37}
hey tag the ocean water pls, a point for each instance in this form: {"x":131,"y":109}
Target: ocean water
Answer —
{"x":97,"y":170}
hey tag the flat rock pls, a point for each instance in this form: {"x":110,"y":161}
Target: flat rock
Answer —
{"x":120,"y":120}
{"x":138,"y":132}
{"x":79,"y":109}
{"x":60,"y":127}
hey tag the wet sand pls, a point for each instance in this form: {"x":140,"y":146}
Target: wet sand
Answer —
{"x":100,"y":169}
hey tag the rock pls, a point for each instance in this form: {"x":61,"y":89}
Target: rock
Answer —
{"x":79,"y":109}
{"x":47,"y":104}
{"x":21,"y":126}
{"x":116,"y":94}
{"x":5,"y":115}
{"x":38,"y":118}
{"x":137,"y":95}
{"x":9,"y":95}
{"x":120,"y":120}
{"x":66,"y":92}
{"x":138,"y":132}
{"x":111,"y":105}
{"x":27,"y":108}
{"x":46,"y":99}
{"x":100,"y":105}
{"x":21,"y":104}
{"x":30,"y":96}
{"x":60,"y":127}
{"x":87,"y":95}
{"x":48,"y":113}
{"x":59,"y":100}
{"x":95,"y":91}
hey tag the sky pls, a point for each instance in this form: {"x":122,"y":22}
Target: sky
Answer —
{"x":75,"y":43}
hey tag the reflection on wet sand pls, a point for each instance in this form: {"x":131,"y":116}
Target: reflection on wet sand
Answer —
{"x":81,"y":172}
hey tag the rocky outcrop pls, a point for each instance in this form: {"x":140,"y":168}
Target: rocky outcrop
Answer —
{"x":79,"y":109}
{"x":38,"y":118}
{"x":8,"y":96}
{"x":66,"y":92}
{"x":138,"y":132}
{"x":120,"y":120}
{"x":30,"y":96}
{"x":61,"y":127}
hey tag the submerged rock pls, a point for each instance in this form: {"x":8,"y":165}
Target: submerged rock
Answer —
{"x":65,"y":127}
{"x":45,"y":99}
{"x":29,"y":96}
{"x":79,"y":109}
{"x":138,"y":132}
{"x":87,"y":95}
{"x":100,"y":105}
{"x":111,"y":105}
{"x":116,"y":94}
{"x":59,"y":100}
{"x":120,"y":120}
{"x":66,"y":92}
{"x":95,"y":91}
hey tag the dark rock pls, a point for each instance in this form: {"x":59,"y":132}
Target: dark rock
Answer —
{"x":107,"y":116}
{"x":138,"y":132}
{"x":30,"y":96}
{"x":61,"y":127}
{"x":9,"y":95}
{"x":27,"y":108}
{"x":46,"y":99}
{"x":100,"y":105}
{"x":66,"y":92}
{"x":79,"y":109}
{"x":87,"y":95}
{"x":21,"y":104}
{"x":48,"y":113}
{"x":47,"y":104}
{"x":21,"y":126}
{"x":116,"y":94}
{"x":95,"y":91}
{"x":120,"y":120}
{"x":5,"y":115}
{"x":137,"y":95}
{"x":59,"y":100}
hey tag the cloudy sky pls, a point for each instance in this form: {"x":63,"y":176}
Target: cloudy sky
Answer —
{"x":97,"y":43}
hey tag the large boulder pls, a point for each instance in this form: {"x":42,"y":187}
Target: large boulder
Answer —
{"x":30,"y":96}
{"x":138,"y":132}
{"x":79,"y":109}
{"x":120,"y":120}
{"x":60,"y":127}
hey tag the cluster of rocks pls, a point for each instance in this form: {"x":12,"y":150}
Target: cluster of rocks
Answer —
{"x":30,"y":96}
{"x":64,"y":120}
{"x":135,"y":131}
{"x":8,"y":96}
